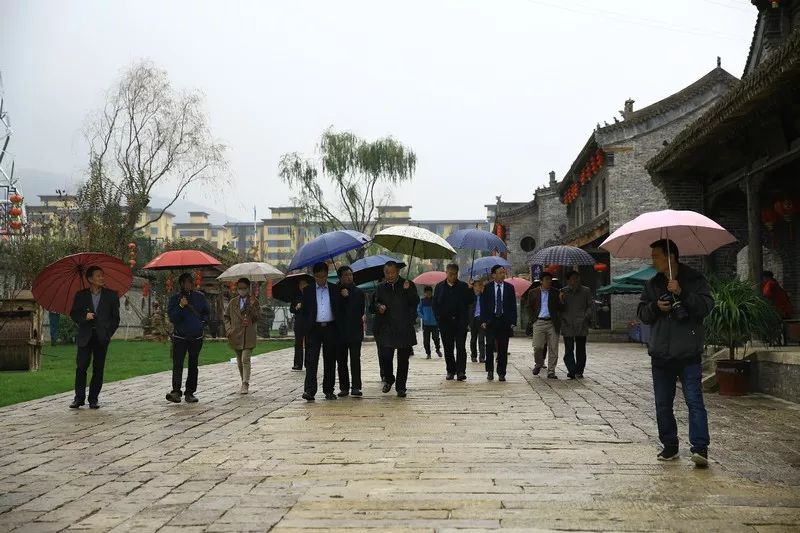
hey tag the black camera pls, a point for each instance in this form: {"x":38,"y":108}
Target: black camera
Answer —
{"x":678,"y":310}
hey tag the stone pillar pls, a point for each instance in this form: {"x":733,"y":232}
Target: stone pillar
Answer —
{"x":752,"y":187}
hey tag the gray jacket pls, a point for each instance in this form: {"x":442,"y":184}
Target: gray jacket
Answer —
{"x":577,"y":312}
{"x":672,"y":339}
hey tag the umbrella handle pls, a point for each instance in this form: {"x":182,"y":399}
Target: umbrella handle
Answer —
{"x":411,"y":259}
{"x":669,"y":258}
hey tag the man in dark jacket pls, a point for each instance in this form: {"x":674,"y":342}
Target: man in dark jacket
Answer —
{"x":498,"y":318}
{"x":575,"y":324}
{"x":429,"y":326}
{"x":350,"y":322}
{"x":300,"y":326}
{"x":96,"y":312}
{"x":321,"y":309}
{"x":188,"y":311}
{"x":477,"y":335}
{"x":451,"y":299}
{"x":395,"y":307}
{"x":546,"y":305}
{"x":675,"y":302}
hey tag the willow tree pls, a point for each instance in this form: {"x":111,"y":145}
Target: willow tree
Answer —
{"x":348,"y":178}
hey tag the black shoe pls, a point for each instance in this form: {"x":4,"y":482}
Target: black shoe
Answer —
{"x":174,"y":397}
{"x":356,"y":392}
{"x":76,"y":404}
{"x":552,"y":376}
{"x":297,"y":368}
{"x":343,"y":393}
{"x":330,"y":396}
{"x":536,"y":370}
{"x":570,"y":375}
{"x":438,"y":353}
{"x":401,"y":394}
{"x":387,"y":386}
{"x":482,"y":360}
{"x":490,"y":376}
{"x":502,"y":377}
{"x":190,"y":398}
{"x":308,"y":397}
{"x":474,"y":359}
{"x":579,"y":376}
{"x":429,"y":356}
{"x":94,"y":405}
{"x":700,"y":458}
{"x":462,"y":377}
{"x":450,"y":377}
{"x":668,"y":454}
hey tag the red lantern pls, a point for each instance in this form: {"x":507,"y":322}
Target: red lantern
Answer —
{"x":145,"y":290}
{"x":600,"y":267}
{"x":15,"y":212}
{"x":198,"y":278}
{"x":168,"y":284}
{"x":232,"y":286}
{"x":132,"y":263}
{"x":131,"y":246}
{"x":786,"y":209}
{"x":269,"y":288}
{"x":769,"y":217}
{"x":15,"y":198}
{"x":15,"y":224}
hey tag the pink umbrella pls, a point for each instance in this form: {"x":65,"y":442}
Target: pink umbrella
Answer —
{"x":520,"y":285}
{"x":693,"y":233}
{"x":430,"y":278}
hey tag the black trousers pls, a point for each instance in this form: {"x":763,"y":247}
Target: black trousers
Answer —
{"x":427,"y":333}
{"x":454,"y":339}
{"x":299,"y":340}
{"x":94,"y":353}
{"x":497,"y":335}
{"x":575,"y":354}
{"x":387,"y":357}
{"x":477,"y":339}
{"x":353,"y":350}
{"x":321,"y":338}
{"x":180,"y":347}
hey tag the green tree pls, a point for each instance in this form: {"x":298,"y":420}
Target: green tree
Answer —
{"x":348,"y":179}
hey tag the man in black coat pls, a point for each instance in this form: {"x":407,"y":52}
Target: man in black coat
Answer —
{"x":395,"y":308}
{"x":675,"y":302}
{"x":351,"y":332}
{"x":188,"y":311}
{"x":451,"y":301}
{"x":498,"y":318}
{"x":320,"y":308}
{"x":96,"y":312}
{"x":300,"y":326}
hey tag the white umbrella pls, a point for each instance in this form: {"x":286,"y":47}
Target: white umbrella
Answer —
{"x":414,"y":242}
{"x":252,"y":271}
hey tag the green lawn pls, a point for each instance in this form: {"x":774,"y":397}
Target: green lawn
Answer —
{"x":126,"y":359}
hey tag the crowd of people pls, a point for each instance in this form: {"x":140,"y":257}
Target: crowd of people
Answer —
{"x":330,"y":321}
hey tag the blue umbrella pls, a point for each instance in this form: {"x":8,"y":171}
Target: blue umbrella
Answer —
{"x":327,"y":246}
{"x":483,"y":266}
{"x":370,"y":268}
{"x":477,"y":239}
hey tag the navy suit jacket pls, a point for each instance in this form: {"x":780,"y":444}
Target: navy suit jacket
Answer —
{"x":509,"y":304}
{"x":309,"y":308}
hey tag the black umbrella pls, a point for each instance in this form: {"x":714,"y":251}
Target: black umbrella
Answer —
{"x":370,"y":268}
{"x":286,"y":289}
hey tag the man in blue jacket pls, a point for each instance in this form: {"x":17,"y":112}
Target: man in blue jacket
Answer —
{"x":675,"y":302}
{"x":429,"y":326}
{"x":188,"y":311}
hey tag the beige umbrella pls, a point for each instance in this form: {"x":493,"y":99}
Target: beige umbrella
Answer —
{"x":414,"y":242}
{"x":253,"y":271}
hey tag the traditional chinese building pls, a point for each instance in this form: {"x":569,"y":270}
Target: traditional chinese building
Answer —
{"x":739,"y":162}
{"x":608,"y":185}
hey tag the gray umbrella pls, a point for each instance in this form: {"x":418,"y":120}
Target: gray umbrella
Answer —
{"x":561,"y":255}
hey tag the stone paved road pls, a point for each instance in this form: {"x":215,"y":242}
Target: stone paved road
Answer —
{"x":528,"y":454}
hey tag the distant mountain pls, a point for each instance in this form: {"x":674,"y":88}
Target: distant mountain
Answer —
{"x":34,"y":183}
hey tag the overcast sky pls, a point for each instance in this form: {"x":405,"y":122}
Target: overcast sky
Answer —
{"x":490,"y":94}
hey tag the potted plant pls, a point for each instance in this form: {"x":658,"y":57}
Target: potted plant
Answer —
{"x":740,"y":314}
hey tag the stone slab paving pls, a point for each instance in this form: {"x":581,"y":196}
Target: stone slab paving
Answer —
{"x":529,"y":454}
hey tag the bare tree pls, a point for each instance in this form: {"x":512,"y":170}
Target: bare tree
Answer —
{"x":147,"y":137}
{"x":361,"y":174}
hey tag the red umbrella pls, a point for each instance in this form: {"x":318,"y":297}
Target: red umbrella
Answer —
{"x":520,"y":286}
{"x":430,"y":278}
{"x":55,"y":286}
{"x":181,"y":260}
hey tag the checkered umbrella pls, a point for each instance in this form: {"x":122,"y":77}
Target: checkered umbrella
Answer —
{"x":561,"y":255}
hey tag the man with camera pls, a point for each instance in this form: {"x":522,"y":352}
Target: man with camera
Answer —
{"x":188,"y":311}
{"x":675,"y":302}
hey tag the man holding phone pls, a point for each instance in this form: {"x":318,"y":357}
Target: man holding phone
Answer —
{"x":188,"y":311}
